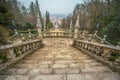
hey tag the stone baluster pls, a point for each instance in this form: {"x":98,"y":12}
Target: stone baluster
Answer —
{"x":19,"y":50}
{"x":27,"y":47}
{"x":32,"y":46}
{"x":10,"y":54}
{"x":93,"y":48}
{"x":24,"y":48}
{"x":89,"y":48}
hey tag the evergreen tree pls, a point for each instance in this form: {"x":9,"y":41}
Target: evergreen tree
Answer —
{"x":38,"y":11}
{"x":32,"y":8}
{"x":5,"y":18}
{"x":37,"y":8}
{"x":47,"y":20}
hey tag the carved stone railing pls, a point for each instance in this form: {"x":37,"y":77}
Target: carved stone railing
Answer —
{"x":10,"y":54}
{"x":93,"y":37}
{"x":101,"y":40}
{"x":22,"y":36}
{"x":108,"y":55}
{"x":58,"y":34}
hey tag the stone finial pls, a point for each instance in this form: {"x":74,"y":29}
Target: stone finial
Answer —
{"x":44,"y":25}
{"x":105,"y":36}
{"x":77,"y":22}
{"x":76,"y":28}
{"x":39,"y":25}
{"x":71,"y":26}
{"x":16,"y":32}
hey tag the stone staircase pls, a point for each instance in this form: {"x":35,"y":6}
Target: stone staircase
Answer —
{"x":58,"y":61}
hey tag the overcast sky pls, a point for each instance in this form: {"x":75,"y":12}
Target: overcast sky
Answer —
{"x":63,"y":7}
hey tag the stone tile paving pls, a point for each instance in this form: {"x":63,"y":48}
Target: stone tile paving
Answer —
{"x":59,"y":61}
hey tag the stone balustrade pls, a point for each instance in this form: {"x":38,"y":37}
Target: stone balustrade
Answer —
{"x":22,"y":36}
{"x":12,"y":53}
{"x":58,"y":34}
{"x":108,"y":55}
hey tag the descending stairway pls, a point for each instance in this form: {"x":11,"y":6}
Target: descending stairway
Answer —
{"x":58,"y":61}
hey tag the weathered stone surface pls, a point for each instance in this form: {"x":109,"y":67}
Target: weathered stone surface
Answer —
{"x":75,"y":77}
{"x":13,"y":77}
{"x":49,"y":77}
{"x":58,"y":61}
{"x":59,"y":65}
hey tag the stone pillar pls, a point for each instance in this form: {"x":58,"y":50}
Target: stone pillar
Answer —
{"x":76,"y":28}
{"x":16,"y":32}
{"x":30,"y":34}
{"x":39,"y":26}
{"x":104,"y":39}
{"x":118,"y":44}
{"x":95,"y":34}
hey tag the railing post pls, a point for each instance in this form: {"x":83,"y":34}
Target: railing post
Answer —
{"x":29,"y":32}
{"x":16,"y":32}
{"x":95,"y":34}
{"x":76,"y":33}
{"x":90,"y":37}
{"x":104,"y":39}
{"x":118,"y":44}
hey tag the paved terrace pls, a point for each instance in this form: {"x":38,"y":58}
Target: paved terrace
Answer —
{"x":58,"y":60}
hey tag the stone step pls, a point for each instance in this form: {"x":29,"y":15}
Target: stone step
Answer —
{"x":57,"y":69}
{"x":15,"y":77}
{"x":58,"y":61}
{"x":15,"y":71}
{"x":102,"y":69}
{"x":94,"y":76}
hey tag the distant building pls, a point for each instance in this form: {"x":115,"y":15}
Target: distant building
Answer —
{"x":56,"y":21}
